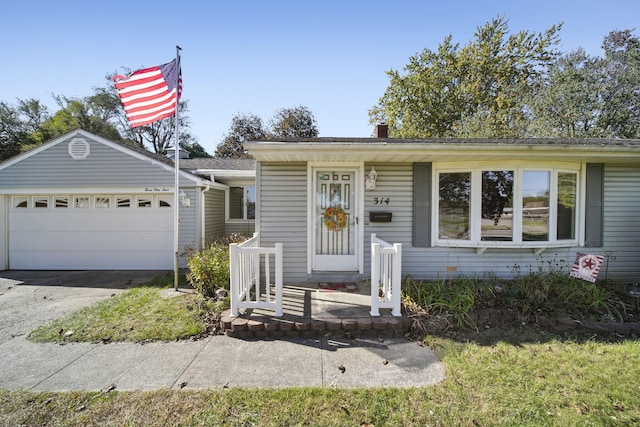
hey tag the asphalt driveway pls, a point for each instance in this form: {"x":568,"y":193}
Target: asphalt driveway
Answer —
{"x":28,"y":299}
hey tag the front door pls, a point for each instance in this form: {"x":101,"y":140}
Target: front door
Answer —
{"x":335,"y":220}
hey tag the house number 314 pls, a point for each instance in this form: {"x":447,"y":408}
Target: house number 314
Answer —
{"x":380,"y":200}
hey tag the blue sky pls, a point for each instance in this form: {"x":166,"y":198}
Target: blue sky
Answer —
{"x":259,"y":56}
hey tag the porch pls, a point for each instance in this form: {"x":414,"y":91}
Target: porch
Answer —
{"x":261,"y":306}
{"x":309,"y":311}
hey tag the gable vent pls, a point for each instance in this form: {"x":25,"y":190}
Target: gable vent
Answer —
{"x":79,"y":149}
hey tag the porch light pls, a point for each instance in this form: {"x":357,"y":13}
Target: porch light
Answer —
{"x":370,"y":183}
{"x":186,"y":201}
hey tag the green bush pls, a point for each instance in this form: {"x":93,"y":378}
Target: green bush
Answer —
{"x":209,"y":267}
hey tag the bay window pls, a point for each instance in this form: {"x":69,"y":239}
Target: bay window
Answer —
{"x":520,"y":206}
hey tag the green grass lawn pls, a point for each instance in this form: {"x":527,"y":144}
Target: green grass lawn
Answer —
{"x":529,"y":378}
{"x":516,"y":376}
{"x":143,"y":313}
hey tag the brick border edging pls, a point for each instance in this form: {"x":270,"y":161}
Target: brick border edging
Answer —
{"x":304,"y":327}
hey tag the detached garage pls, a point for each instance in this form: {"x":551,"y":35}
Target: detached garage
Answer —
{"x":82,"y":202}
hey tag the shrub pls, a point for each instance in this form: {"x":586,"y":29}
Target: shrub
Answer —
{"x":209,"y":267}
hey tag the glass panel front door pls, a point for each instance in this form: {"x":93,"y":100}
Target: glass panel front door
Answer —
{"x":335,"y":220}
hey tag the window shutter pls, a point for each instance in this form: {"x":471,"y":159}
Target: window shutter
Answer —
{"x":422,"y":205}
{"x":594,"y":215}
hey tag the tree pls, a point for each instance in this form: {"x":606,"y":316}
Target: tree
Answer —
{"x":584,"y":96}
{"x":566,"y":103}
{"x":477,"y":90}
{"x":195,"y":150}
{"x":296,"y":122}
{"x":73,"y":114}
{"x":10,"y":131}
{"x":244,"y":127}
{"x":619,"y":72}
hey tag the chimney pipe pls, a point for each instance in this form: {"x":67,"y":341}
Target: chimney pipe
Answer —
{"x":381,"y":131}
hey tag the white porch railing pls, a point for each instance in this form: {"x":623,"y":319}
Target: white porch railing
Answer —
{"x":248,"y":264}
{"x":386,"y":276}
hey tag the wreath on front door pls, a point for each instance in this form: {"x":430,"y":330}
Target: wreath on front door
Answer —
{"x":335,"y":218}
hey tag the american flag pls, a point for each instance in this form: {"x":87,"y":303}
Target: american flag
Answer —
{"x":586,"y":266}
{"x":150,"y":94}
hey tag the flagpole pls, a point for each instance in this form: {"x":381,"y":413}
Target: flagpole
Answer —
{"x":176,"y":196}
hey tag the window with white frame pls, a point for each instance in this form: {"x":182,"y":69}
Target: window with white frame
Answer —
{"x":143,"y":201}
{"x":103,"y":202}
{"x":20,"y":202}
{"x":242,"y":202}
{"x":61,"y":202}
{"x":507,"y":206}
{"x":81,"y":202}
{"x":40,"y":202}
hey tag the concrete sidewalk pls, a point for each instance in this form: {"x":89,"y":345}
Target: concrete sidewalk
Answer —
{"x":30,"y":299}
{"x":217,"y":361}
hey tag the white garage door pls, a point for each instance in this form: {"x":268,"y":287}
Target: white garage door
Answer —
{"x":91,"y":232}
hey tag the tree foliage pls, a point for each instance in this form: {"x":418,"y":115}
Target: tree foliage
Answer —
{"x":29,"y":123}
{"x":501,"y":85}
{"x":475,"y":90}
{"x":589,"y":96}
{"x":244,"y":127}
{"x":296,"y":122}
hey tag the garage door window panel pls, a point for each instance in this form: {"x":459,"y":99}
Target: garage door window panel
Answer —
{"x":165,"y":201}
{"x":143,"y":202}
{"x":61,"y":202}
{"x":20,"y":202}
{"x":102,"y":202}
{"x":123,"y":202}
{"x":81,"y":202}
{"x":40,"y":202}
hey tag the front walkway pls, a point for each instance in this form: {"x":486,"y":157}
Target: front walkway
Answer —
{"x":311,"y":312}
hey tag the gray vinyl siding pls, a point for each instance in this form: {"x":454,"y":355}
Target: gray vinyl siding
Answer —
{"x":104,"y":167}
{"x":188,"y":232}
{"x":395,"y":181}
{"x":282,"y":200}
{"x":622,"y":223}
{"x":621,"y":233}
{"x":395,"y":184}
{"x":283,"y":208}
{"x":213,"y":214}
{"x":53,"y":168}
